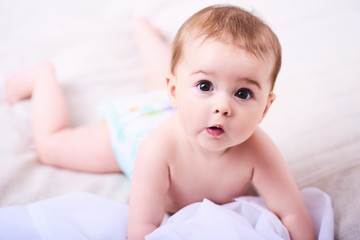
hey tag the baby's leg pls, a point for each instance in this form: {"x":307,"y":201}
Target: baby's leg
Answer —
{"x":84,"y":148}
{"x":154,"y":52}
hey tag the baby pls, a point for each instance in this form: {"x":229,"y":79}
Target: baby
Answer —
{"x":224,"y":65}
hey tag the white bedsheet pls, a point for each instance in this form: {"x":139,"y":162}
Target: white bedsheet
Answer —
{"x":86,"y":216}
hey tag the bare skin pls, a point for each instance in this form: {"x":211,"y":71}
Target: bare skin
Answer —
{"x":56,"y":143}
{"x":207,"y":159}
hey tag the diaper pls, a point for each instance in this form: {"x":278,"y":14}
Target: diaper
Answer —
{"x":130,"y":119}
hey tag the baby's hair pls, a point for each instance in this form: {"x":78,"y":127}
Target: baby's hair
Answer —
{"x":224,"y":22}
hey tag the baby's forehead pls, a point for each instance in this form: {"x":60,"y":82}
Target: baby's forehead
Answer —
{"x":193,"y":43}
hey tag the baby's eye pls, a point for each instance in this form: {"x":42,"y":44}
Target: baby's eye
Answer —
{"x":244,"y":93}
{"x":205,"y":86}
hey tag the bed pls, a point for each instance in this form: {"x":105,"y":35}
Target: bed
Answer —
{"x":314,"y":121}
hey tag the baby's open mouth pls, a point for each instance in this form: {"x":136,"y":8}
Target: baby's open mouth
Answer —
{"x":215,"y":131}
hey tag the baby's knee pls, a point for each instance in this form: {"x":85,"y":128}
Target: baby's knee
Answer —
{"x":46,"y":152}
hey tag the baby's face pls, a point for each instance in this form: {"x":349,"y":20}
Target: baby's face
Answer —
{"x":221,"y":92}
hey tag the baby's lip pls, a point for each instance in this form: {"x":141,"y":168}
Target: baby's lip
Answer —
{"x":215,"y":130}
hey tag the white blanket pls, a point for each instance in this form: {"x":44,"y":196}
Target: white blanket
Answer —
{"x":86,"y":216}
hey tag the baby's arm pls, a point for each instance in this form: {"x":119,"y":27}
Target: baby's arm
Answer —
{"x":275,"y":184}
{"x":149,"y":187}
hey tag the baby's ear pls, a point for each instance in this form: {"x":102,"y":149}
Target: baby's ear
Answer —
{"x":271,"y":99}
{"x":171,"y":89}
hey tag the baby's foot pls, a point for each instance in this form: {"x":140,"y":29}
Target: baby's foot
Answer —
{"x":20,"y":85}
{"x":154,"y":52}
{"x":145,"y":31}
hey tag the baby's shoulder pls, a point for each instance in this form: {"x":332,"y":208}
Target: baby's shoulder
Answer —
{"x":260,"y":138}
{"x":261,"y":146}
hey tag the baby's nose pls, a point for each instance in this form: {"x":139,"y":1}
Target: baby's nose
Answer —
{"x":222,"y":108}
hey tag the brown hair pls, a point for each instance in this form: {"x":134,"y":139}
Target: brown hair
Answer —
{"x":224,"y":22}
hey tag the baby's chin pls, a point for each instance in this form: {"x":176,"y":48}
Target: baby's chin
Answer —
{"x":216,"y":145}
